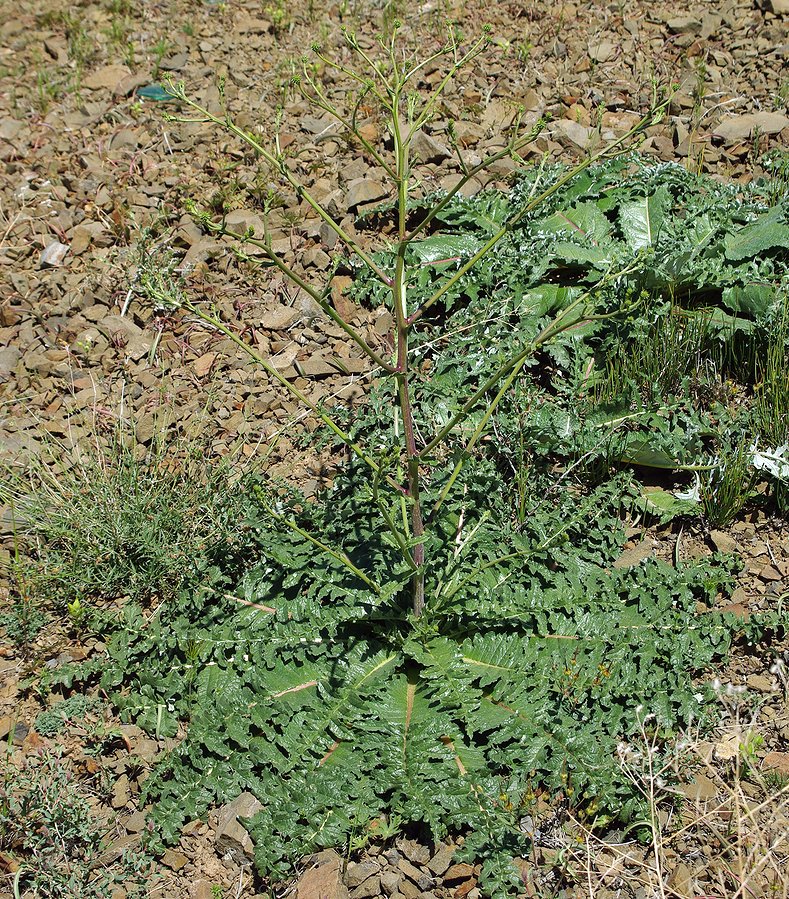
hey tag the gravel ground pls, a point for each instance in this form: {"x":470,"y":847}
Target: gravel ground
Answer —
{"x":89,"y":170}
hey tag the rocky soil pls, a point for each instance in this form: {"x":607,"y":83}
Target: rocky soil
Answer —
{"x":92,"y":175}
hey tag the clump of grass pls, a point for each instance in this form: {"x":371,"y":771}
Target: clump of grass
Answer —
{"x":114,"y":525}
{"x":666,"y":354}
{"x":727,"y":488}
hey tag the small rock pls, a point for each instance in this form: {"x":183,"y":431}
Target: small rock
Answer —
{"x":410,"y":890}
{"x":370,"y":887}
{"x":420,"y":878}
{"x":416,"y":853}
{"x":364,"y":190}
{"x":324,"y":879}
{"x":106,"y":78}
{"x":242,"y":220}
{"x":723,"y":542}
{"x":358,"y":872}
{"x":631,"y":557}
{"x":779,"y":7}
{"x":683,"y":25}
{"x":681,"y":880}
{"x":601,"y":51}
{"x":54,"y":254}
{"x":458,"y":872}
{"x":466,"y":889}
{"x":574,"y":132}
{"x":316,"y":258}
{"x":441,"y":861}
{"x":702,"y":788}
{"x":770,"y":573}
{"x":135,"y":823}
{"x":733,"y":129}
{"x":428,"y":149}
{"x":760,"y":683}
{"x":116,"y":849}
{"x":390,"y":881}
{"x":9,"y":357}
{"x":120,"y":792}
{"x":174,"y":860}
{"x":777,"y":761}
{"x":201,"y":889}
{"x":203,"y":364}
{"x":231,"y":835}
{"x":279,"y":318}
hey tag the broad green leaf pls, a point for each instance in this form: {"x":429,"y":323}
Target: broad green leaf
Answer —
{"x":445,"y":248}
{"x":548,"y":298}
{"x":665,"y":505}
{"x":642,"y":220}
{"x":638,"y":451}
{"x":766,"y":233}
{"x":584,"y":222}
{"x":573,"y":252}
{"x":753,"y":299}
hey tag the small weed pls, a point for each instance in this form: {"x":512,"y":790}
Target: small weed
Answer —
{"x":55,"y":719}
{"x":47,"y":822}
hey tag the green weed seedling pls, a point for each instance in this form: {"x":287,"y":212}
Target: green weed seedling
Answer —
{"x":430,"y":639}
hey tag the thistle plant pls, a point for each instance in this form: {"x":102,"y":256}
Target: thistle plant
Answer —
{"x":447,"y":651}
{"x":386,"y":80}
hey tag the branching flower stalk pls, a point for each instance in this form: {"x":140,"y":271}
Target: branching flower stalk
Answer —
{"x":388,"y":82}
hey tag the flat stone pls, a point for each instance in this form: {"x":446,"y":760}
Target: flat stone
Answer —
{"x":631,"y":557}
{"x":441,"y":861}
{"x":390,"y":882}
{"x":416,"y":853}
{"x":701,"y":789}
{"x":683,"y":25}
{"x":574,"y":132}
{"x":428,"y":149}
{"x":174,"y":860}
{"x":323,"y":880}
{"x":760,"y":683}
{"x":317,"y":367}
{"x":9,"y":357}
{"x":119,"y":328}
{"x":106,"y":78}
{"x":231,"y":835}
{"x":423,"y":880}
{"x":358,"y":872}
{"x":461,"y":871}
{"x":364,"y":190}
{"x":777,"y":761}
{"x":120,"y":792}
{"x":243,"y":220}
{"x":769,"y":573}
{"x":732,"y":129}
{"x":370,"y":887}
{"x":135,"y":823}
{"x":723,"y":542}
{"x":54,"y":254}
{"x":201,"y":889}
{"x":117,"y":847}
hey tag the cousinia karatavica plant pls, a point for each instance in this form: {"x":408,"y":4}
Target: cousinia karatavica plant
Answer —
{"x":440,"y":662}
{"x":387,"y":79}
